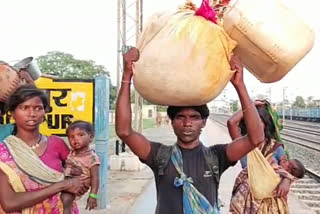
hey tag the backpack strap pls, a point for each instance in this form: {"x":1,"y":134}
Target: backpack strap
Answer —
{"x":212,"y":162}
{"x":163,"y":157}
{"x":164,"y":154}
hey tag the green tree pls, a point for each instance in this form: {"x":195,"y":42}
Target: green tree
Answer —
{"x":299,"y":103}
{"x":65,"y":66}
{"x":113,"y":96}
{"x":310,"y":103}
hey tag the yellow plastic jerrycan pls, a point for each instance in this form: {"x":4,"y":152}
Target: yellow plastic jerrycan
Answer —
{"x":271,"y":39}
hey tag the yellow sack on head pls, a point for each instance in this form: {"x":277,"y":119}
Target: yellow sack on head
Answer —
{"x":184,"y":59}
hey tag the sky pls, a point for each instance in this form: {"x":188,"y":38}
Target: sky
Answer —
{"x":87,"y":29}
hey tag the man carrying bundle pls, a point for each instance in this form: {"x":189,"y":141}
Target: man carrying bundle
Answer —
{"x":187,"y":173}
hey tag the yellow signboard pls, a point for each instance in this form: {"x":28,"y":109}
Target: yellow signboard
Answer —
{"x":69,"y":100}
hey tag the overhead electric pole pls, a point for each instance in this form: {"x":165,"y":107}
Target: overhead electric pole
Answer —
{"x":138,"y":100}
{"x":129,"y":28}
{"x":283,"y":105}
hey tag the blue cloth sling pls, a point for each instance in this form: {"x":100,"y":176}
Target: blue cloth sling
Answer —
{"x":193,"y":201}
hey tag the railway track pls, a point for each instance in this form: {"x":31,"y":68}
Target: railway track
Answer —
{"x":304,"y":124}
{"x":309,"y":140}
{"x":306,"y":189}
{"x":290,"y":138}
{"x":312,"y":144}
{"x":301,"y":144}
{"x":307,"y":131}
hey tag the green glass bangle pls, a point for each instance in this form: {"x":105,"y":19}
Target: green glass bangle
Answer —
{"x":93,"y":196}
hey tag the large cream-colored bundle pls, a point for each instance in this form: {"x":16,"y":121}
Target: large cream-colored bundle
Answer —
{"x":184,"y":59}
{"x":271,"y":39}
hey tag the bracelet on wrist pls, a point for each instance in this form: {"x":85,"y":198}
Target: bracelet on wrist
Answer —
{"x":92,"y":195}
{"x":246,"y":108}
{"x":124,"y":81}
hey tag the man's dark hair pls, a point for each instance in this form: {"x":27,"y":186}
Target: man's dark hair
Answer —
{"x":86,"y":126}
{"x":24,"y":93}
{"x":269,"y":129}
{"x":172,"y":111}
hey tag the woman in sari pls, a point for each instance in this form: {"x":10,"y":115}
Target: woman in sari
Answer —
{"x":31,"y":177}
{"x":251,"y":196}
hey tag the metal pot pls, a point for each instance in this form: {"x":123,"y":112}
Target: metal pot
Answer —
{"x":29,"y":65}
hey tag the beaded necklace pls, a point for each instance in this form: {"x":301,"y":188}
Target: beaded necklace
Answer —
{"x":35,"y":146}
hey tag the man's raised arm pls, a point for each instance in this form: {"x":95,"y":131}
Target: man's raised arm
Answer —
{"x":138,"y":144}
{"x":255,"y":131}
